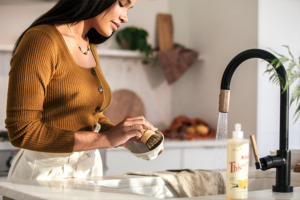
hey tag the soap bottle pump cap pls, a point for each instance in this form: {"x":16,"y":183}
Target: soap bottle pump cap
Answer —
{"x":237,"y":133}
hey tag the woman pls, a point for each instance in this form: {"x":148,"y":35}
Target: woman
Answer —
{"x":57,"y":93}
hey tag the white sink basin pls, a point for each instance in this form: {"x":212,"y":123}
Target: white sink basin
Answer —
{"x":155,"y":187}
{"x":143,"y":185}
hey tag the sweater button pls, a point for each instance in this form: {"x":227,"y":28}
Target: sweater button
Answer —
{"x":97,"y":109}
{"x":100,"y":89}
{"x":93,"y":72}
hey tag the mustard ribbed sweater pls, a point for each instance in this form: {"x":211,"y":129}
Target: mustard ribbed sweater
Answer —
{"x":50,"y":96}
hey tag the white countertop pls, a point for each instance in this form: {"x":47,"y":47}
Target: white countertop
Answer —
{"x":259,"y":195}
{"x":169,"y":144}
{"x":110,"y":187}
{"x":122,"y":187}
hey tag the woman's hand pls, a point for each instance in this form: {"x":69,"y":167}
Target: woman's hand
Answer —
{"x":162,"y":149}
{"x":128,"y":130}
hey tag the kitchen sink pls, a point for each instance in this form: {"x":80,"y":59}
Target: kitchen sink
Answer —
{"x":154,"y":187}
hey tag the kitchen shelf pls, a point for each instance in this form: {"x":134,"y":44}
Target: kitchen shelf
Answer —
{"x":101,"y":52}
{"x":119,"y":53}
{"x":124,"y":53}
{"x":6,"y":47}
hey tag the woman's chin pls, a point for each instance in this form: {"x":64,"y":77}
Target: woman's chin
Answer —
{"x":108,"y":34}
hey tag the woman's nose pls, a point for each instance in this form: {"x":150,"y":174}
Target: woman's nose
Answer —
{"x":124,"y":17}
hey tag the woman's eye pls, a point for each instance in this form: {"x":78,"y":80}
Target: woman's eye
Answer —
{"x":120,"y":4}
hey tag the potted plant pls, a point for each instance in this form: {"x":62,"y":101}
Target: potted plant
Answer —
{"x":292,"y":75}
{"x":134,"y":38}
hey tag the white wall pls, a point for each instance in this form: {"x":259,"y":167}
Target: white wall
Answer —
{"x":16,"y":17}
{"x":278,"y":25}
{"x":4,"y":69}
{"x":219,"y":30}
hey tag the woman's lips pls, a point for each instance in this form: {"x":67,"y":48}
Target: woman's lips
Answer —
{"x":115,"y":26}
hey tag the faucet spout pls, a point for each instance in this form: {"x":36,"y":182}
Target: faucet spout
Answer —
{"x":283,"y":169}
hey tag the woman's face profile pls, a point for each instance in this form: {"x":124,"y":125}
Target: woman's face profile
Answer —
{"x":110,"y":20}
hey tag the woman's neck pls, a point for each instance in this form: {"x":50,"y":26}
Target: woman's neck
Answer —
{"x":80,"y":29}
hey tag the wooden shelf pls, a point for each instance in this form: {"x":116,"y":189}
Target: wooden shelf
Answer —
{"x":101,"y":52}
{"x":123,"y":53}
{"x":119,"y":53}
{"x":6,"y":47}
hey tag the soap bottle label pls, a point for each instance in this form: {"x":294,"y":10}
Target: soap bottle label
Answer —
{"x":237,"y":171}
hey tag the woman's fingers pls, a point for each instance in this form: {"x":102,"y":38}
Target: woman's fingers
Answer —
{"x":129,"y":129}
{"x":135,"y":127}
{"x":162,"y":149}
{"x":136,"y":131}
{"x":139,"y":120}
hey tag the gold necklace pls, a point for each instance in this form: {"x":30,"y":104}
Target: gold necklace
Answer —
{"x":88,"y":46}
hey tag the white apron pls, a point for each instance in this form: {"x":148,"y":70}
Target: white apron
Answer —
{"x":32,"y":165}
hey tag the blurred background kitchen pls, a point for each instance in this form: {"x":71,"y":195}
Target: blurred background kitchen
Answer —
{"x":218,"y":30}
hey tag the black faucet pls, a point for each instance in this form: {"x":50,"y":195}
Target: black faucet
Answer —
{"x":282,"y":161}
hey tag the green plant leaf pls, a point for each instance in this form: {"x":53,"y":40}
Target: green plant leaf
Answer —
{"x":290,"y":53}
{"x":292,"y":75}
{"x":297,"y":113}
{"x":136,"y":38}
{"x":126,"y":35}
{"x":278,"y":54}
{"x":142,"y":44}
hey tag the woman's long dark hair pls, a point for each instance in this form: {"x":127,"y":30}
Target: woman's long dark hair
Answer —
{"x":73,"y":11}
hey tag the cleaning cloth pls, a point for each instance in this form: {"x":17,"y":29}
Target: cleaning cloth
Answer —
{"x":190,"y":183}
{"x":176,"y":61}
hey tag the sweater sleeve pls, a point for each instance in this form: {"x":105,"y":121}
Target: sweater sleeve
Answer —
{"x":32,"y":67}
{"x":105,"y":123}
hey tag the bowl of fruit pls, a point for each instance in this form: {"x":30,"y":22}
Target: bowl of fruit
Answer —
{"x":184,"y":128}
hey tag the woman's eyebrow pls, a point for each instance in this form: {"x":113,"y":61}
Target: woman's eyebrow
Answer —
{"x":129,"y":1}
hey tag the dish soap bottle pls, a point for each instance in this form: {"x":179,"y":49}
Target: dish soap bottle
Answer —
{"x":237,"y":166}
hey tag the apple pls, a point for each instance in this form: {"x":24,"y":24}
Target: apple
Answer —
{"x":202,"y":129}
{"x":191,"y":130}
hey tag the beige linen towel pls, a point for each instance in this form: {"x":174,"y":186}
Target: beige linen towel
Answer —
{"x":190,"y":183}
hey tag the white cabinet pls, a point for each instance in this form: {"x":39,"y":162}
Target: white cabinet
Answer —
{"x":204,"y":158}
{"x":121,"y":161}
{"x":206,"y":154}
